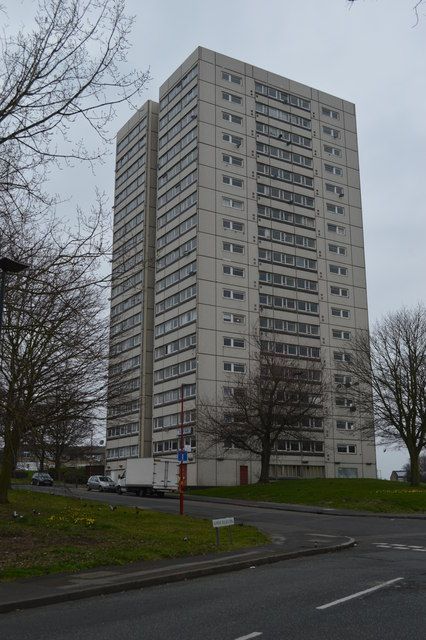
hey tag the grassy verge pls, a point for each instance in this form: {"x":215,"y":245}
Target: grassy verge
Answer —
{"x":57,"y":534}
{"x":379,"y":496}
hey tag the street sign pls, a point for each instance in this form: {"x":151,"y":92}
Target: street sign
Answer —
{"x":183,"y":456}
{"x":223,"y":522}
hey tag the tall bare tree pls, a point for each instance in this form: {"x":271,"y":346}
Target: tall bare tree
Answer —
{"x":279,"y":396}
{"x":392,"y":362}
{"x":66,"y":73}
{"x":53,"y":352}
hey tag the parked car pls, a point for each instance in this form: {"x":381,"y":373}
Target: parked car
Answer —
{"x":40,"y":478}
{"x":101,"y":483}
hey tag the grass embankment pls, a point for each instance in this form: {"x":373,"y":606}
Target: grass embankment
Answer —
{"x":59,"y":534}
{"x":380,"y":496}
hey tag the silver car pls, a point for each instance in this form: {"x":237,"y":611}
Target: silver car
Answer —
{"x":101,"y":483}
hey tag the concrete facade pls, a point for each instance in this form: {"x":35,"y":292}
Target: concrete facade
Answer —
{"x":258,"y":223}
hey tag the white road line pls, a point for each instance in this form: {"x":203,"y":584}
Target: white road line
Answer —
{"x":360,"y":593}
{"x":255,"y":634}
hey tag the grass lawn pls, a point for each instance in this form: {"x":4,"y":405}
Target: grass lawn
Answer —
{"x":363,"y":495}
{"x":59,"y":534}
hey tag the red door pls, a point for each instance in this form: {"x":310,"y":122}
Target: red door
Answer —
{"x":243,"y":474}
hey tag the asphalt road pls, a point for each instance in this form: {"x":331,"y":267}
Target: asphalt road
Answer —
{"x":374,"y":591}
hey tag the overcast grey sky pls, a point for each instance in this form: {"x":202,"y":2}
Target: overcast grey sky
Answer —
{"x":367,"y":52}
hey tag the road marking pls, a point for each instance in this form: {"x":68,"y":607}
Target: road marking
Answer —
{"x":255,"y":634}
{"x":399,"y":547}
{"x":382,"y":585}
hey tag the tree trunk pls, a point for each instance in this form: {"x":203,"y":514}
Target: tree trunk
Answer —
{"x":265,"y":458}
{"x":11,"y":445}
{"x":414,"y":467}
{"x":41,"y":461}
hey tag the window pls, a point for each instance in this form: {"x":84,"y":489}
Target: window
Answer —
{"x":342,"y":379}
{"x":229,"y":270}
{"x":230,"y":77}
{"x":285,"y":176}
{"x":346,"y":472}
{"x":175,"y":323}
{"x":334,"y":133}
{"x":332,"y":188}
{"x":282,"y":96}
{"x":175,"y":211}
{"x":344,"y":425}
{"x":176,"y":276}
{"x":173,"y":420}
{"x":232,"y":294}
{"x":233,"y":182}
{"x":339,"y":291}
{"x":289,"y":260}
{"x":177,"y":128}
{"x":176,"y":148}
{"x":340,"y":401}
{"x":335,"y":208}
{"x":337,"y":270}
{"x":231,"y":202}
{"x":231,"y":117}
{"x":333,"y":151}
{"x":330,"y":113}
{"x":288,"y":197}
{"x":227,"y":137}
{"x":234,"y":160}
{"x":164,"y":178}
{"x":340,"y":313}
{"x":232,"y":225}
{"x":230,"y":97}
{"x":289,"y":304}
{"x":178,"y":253}
{"x":232,"y":247}
{"x":176,"y":232}
{"x":175,"y":371}
{"x":286,"y":326}
{"x":174,"y":395}
{"x":284,"y":237}
{"x":234,"y":318}
{"x":279,"y":215}
{"x":182,"y":344}
{"x":335,"y":248}
{"x":186,"y":182}
{"x":178,"y":87}
{"x":346,"y":448}
{"x":176,"y":299}
{"x":284,"y":116}
{"x":281,"y":134}
{"x":283,"y":154}
{"x":237,"y":343}
{"x":234,"y":367}
{"x":331,"y":168}
{"x":295,"y":350}
{"x":335,"y":228}
{"x":340,"y":356}
{"x":288,"y":282}
{"x":341,"y":335}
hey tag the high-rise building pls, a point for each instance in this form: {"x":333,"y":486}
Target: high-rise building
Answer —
{"x":257,"y":223}
{"x":129,"y":430}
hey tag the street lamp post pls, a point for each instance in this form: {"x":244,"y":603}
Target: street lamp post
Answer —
{"x":7,"y":265}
